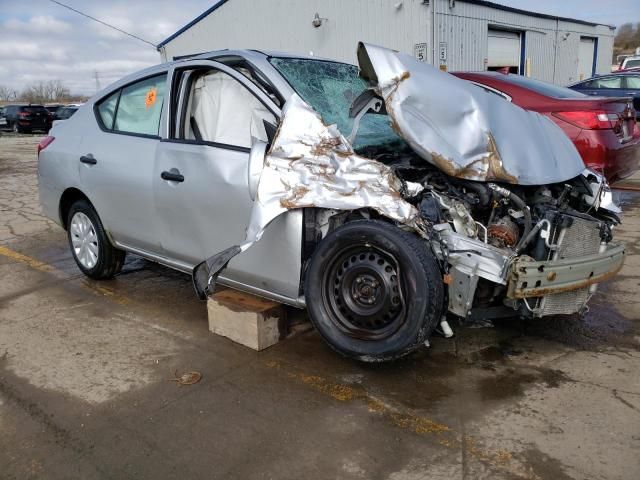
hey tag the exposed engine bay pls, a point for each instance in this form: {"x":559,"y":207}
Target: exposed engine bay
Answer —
{"x":483,"y":231}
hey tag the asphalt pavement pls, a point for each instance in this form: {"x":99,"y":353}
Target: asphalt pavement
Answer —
{"x":87,"y":370}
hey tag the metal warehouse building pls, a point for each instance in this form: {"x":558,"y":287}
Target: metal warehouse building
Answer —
{"x":455,"y":35}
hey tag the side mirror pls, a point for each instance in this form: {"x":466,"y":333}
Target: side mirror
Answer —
{"x":256,"y":163}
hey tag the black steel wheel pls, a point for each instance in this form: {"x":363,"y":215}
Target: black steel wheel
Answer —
{"x":362,"y":291}
{"x":374,"y":291}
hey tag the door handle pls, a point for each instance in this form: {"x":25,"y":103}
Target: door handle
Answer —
{"x":88,"y":159}
{"x":172,"y":176}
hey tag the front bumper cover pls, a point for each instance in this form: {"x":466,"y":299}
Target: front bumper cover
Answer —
{"x":528,"y":278}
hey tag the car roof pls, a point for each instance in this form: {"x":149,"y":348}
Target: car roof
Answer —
{"x":253,"y":56}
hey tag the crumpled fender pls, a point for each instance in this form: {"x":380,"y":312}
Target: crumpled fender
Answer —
{"x":464,"y":130}
{"x":311,"y":164}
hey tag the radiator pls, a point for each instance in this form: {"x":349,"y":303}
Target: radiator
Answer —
{"x":581,"y":238}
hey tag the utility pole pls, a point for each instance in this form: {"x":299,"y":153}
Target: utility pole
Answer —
{"x":97,"y":77}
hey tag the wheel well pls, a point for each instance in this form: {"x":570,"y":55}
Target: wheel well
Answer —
{"x":69,"y":197}
{"x":318,"y":222}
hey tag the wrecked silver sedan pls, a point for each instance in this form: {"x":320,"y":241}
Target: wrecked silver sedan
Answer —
{"x":381,"y":197}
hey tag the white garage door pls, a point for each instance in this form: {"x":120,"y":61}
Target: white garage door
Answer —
{"x":503,"y":50}
{"x":586,"y":52}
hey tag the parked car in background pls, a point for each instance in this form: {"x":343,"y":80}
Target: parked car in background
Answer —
{"x":26,"y":118}
{"x":65,"y":112}
{"x":52,"y":108}
{"x":602,"y":129}
{"x":630,"y":62}
{"x":3,"y":120}
{"x":619,"y":84}
{"x":380,"y":204}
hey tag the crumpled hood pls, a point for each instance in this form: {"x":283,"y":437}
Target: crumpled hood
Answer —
{"x":464,"y":130}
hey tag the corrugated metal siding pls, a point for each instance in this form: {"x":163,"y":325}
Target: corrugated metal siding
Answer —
{"x":551,"y":58}
{"x":539,"y":49}
{"x":466,"y":40}
{"x":286,"y":25}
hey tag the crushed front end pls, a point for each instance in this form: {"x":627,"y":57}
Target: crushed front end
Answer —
{"x":530,"y":251}
{"x":517,"y":222}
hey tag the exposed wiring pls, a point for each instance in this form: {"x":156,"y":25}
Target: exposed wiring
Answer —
{"x":103,"y":23}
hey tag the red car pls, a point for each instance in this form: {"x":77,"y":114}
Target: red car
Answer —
{"x":603,"y":129}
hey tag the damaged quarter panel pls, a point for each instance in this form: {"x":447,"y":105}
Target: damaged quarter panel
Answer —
{"x":463,"y":130}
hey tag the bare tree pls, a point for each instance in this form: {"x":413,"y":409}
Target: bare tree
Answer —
{"x":8,"y":93}
{"x":46,"y":92}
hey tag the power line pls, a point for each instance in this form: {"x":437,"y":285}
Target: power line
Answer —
{"x":103,"y":23}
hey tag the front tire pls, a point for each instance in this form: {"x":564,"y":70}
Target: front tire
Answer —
{"x":90,"y":246}
{"x":374,"y":291}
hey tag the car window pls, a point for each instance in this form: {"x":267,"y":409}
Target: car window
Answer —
{"x":64,"y":113}
{"x":34,"y":109}
{"x":107,"y":109}
{"x":607,"y":82}
{"x":633,"y":81}
{"x":220,"y":109}
{"x":632,"y":63}
{"x":330,"y":88}
{"x":538,"y":86}
{"x":140,"y":107}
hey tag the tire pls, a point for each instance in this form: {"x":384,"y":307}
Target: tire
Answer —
{"x":373,"y":291}
{"x":100,"y":261}
{"x":16,"y":128}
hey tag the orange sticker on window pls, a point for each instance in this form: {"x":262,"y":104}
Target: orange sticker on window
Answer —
{"x":150,"y":98}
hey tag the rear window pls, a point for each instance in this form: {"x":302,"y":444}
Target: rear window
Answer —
{"x":543,"y":88}
{"x":606,"y":83}
{"x":633,"y":82}
{"x":64,"y":113}
{"x":34,"y":109}
{"x":632,"y":63}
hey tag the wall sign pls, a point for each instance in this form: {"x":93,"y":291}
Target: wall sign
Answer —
{"x":420,"y":51}
{"x":443,"y":52}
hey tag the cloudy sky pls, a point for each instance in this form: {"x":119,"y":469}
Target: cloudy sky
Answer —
{"x":41,"y":41}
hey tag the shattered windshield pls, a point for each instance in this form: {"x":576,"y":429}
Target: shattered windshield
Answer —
{"x":330,"y":88}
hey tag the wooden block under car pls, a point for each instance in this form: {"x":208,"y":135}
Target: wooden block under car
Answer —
{"x":246,"y":319}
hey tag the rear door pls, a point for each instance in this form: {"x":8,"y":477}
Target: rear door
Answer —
{"x":117,"y":161}
{"x":201,"y":179}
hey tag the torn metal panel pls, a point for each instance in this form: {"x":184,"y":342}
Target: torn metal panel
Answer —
{"x":311,"y":164}
{"x":464,"y":130}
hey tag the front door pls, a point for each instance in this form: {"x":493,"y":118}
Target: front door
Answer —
{"x":201,"y":179}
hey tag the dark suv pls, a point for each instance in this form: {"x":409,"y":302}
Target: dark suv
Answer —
{"x":25,"y":118}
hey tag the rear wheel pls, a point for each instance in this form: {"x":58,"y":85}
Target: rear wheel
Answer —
{"x":89,"y":244}
{"x":373,"y":291}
